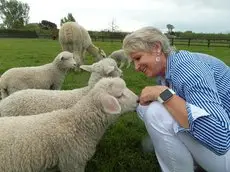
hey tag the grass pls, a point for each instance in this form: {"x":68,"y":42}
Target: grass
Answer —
{"x":120,"y":148}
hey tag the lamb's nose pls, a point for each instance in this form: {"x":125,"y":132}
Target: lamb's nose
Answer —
{"x":77,"y":65}
{"x":138,"y":100}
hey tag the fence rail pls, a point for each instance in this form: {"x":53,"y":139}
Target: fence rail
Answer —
{"x":200,"y":42}
{"x":174,"y":41}
{"x":177,"y":41}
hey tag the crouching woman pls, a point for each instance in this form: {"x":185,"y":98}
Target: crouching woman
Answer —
{"x":187,"y":114}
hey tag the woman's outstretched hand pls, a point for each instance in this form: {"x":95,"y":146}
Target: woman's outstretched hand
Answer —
{"x":150,"y":94}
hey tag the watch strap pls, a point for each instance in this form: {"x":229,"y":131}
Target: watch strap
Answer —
{"x":160,"y":100}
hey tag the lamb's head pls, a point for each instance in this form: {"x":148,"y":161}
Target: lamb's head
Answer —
{"x":101,"y":54}
{"x":106,"y":67}
{"x":114,"y":96}
{"x":65,"y":61}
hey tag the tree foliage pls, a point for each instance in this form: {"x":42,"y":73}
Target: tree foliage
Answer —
{"x":113,"y":27}
{"x":14,"y":14}
{"x":68,"y":19}
{"x":170,"y":28}
{"x":31,"y":26}
{"x":50,"y":26}
{"x":193,"y":35}
{"x":45,"y":24}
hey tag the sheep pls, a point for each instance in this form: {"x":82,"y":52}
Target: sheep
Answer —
{"x":65,"y":139}
{"x":34,"y":101}
{"x":76,"y":39}
{"x":121,"y":58}
{"x":48,"y":76}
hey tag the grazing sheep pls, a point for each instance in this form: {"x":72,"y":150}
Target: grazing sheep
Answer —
{"x":65,"y":139}
{"x":76,"y":39}
{"x":121,"y":58}
{"x":35,"y":101}
{"x":48,"y":76}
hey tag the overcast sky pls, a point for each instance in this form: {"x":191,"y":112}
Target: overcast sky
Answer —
{"x":210,"y":16}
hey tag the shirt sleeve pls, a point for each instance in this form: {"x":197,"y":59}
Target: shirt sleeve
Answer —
{"x":208,"y":120}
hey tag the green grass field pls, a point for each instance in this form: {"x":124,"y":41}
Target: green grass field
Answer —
{"x":120,"y":149}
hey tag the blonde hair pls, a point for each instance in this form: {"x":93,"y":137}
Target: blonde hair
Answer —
{"x":144,"y":39}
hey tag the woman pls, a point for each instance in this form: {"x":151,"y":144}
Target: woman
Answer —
{"x":187,"y":115}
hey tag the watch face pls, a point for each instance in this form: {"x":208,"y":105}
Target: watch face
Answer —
{"x":166,"y":95}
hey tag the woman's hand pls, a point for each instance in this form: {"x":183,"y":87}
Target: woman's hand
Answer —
{"x":150,"y":93}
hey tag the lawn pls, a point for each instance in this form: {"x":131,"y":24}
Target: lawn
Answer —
{"x":120,"y":149}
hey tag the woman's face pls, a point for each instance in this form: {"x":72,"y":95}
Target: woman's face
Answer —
{"x":151,"y":64}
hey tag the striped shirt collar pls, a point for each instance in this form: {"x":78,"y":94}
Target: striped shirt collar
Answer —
{"x":168,"y":65}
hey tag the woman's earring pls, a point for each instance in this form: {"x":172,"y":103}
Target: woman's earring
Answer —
{"x":158,"y":58}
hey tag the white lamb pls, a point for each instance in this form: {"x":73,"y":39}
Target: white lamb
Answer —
{"x":121,"y":58}
{"x":64,"y":139}
{"x":48,"y":76}
{"x":76,"y":39}
{"x":35,"y":101}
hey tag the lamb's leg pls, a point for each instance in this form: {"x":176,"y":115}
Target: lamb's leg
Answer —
{"x":67,"y":47}
{"x":83,"y":57}
{"x":78,"y":57}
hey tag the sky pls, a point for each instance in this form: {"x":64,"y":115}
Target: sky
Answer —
{"x":207,"y":16}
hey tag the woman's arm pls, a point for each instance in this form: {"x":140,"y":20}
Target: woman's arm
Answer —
{"x":175,"y":106}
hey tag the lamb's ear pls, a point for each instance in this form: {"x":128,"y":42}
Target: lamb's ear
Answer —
{"x":109,"y":69}
{"x":88,"y":68}
{"x":110,"y":104}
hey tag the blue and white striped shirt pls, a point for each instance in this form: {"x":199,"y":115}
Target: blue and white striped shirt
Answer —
{"x":203,"y":81}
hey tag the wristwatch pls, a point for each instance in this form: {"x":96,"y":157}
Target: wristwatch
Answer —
{"x":166,"y":95}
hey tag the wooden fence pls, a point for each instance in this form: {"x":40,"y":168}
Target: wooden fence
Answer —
{"x":177,"y":41}
{"x":200,"y":42}
{"x":105,"y":38}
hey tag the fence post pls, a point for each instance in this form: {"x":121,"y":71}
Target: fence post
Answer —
{"x":208,"y":43}
{"x":172,"y":41}
{"x":189,"y":42}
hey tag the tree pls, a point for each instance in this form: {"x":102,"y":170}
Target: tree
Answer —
{"x":2,"y":26}
{"x":14,"y":14}
{"x":45,"y":24}
{"x":52,"y":27}
{"x":113,"y":27}
{"x":67,"y":19}
{"x":170,"y":28}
